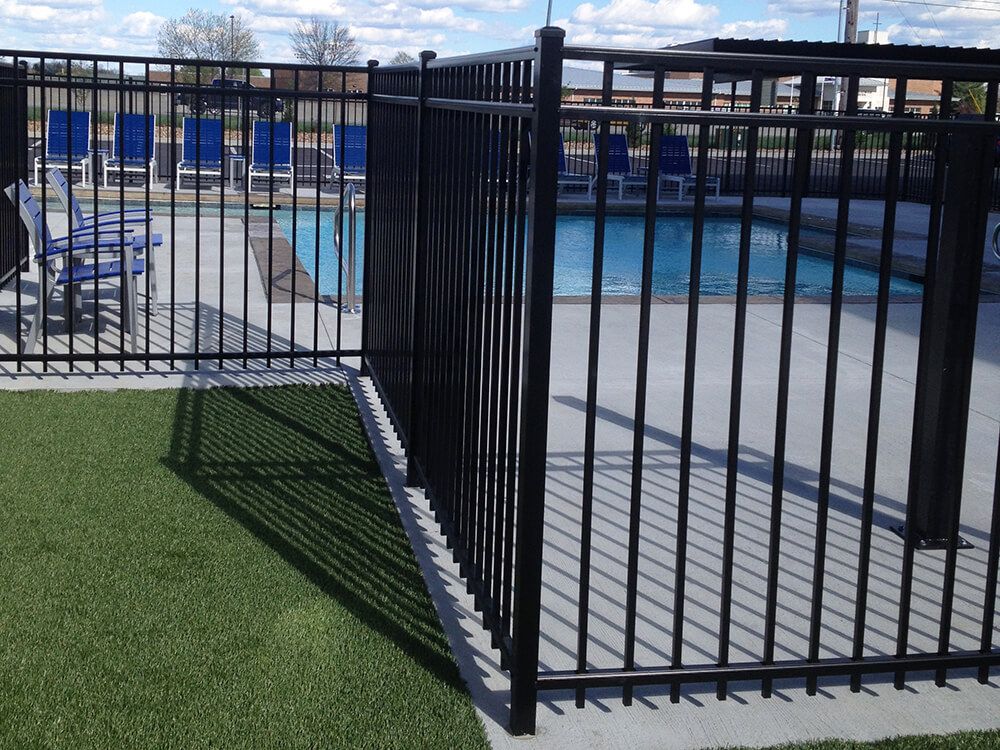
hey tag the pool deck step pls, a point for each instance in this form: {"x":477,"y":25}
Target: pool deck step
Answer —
{"x":277,"y":261}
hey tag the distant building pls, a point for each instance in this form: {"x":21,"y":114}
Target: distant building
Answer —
{"x":584,"y":86}
{"x":684,"y":88}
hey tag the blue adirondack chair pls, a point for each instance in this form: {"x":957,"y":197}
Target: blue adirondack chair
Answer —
{"x":134,"y":218}
{"x":108,"y":222}
{"x":75,"y":250}
{"x":133,"y":148}
{"x":66,"y":146}
{"x":201,"y":151}
{"x":675,"y":166}
{"x":619,"y":164}
{"x":565,"y":178}
{"x":355,"y":146}
{"x":272,"y":152}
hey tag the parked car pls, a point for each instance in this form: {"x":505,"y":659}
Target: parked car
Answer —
{"x":231,"y":95}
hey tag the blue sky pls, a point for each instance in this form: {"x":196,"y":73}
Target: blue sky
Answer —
{"x":384,"y":26}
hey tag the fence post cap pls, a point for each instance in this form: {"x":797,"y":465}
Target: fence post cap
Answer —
{"x":427,"y":54}
{"x":373,"y":63}
{"x":550,"y":31}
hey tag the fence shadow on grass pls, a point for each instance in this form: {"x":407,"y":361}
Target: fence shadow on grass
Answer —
{"x":291,"y":465}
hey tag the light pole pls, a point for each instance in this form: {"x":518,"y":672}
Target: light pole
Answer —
{"x":548,"y":14}
{"x":232,"y":37}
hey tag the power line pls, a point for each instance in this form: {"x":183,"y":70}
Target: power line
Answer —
{"x":934,"y":20}
{"x":916,"y":34}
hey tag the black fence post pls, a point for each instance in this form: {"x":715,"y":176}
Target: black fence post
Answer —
{"x":367,"y":283}
{"x":547,"y":85}
{"x":904,"y":192}
{"x":417,"y":276}
{"x":947,"y":348}
{"x":13,"y":167}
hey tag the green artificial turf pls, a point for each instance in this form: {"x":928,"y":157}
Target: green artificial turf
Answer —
{"x":959,"y":741}
{"x":220,"y":568}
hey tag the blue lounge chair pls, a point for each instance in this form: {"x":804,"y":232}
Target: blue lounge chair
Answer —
{"x":566,"y":178}
{"x":133,"y":148}
{"x":619,"y":165}
{"x":131,"y":219}
{"x":355,"y":139}
{"x":65,"y":146}
{"x":272,"y":152}
{"x":75,"y":253}
{"x":675,"y":167}
{"x":201,"y":153}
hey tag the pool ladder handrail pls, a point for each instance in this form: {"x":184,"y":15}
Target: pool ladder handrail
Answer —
{"x":996,"y":240}
{"x":348,"y":266}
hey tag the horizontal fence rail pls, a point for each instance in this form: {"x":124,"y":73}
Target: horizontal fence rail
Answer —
{"x":215,"y":182}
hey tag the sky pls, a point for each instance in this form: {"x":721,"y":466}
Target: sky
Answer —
{"x":383,"y":27}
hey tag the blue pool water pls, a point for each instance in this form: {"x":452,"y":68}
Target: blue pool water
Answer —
{"x":623,"y":257}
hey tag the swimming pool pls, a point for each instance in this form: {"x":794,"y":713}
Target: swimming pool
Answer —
{"x":623,"y":257}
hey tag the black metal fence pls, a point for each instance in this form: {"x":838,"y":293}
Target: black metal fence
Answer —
{"x":231,"y":172}
{"x":459,"y":308}
{"x":960,"y":180}
{"x":466,"y":202}
{"x":459,"y":266}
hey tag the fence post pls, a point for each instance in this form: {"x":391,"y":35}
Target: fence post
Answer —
{"x":547,"y":88}
{"x":366,"y":291}
{"x":947,"y":348}
{"x":417,"y":283}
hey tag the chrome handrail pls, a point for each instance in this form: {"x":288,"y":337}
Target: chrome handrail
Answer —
{"x":996,"y":240}
{"x":348,"y":266}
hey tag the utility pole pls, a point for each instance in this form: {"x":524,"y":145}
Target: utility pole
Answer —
{"x":851,"y":22}
{"x":850,"y":37}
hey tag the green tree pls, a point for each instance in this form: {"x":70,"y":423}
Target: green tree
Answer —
{"x":971,"y":97}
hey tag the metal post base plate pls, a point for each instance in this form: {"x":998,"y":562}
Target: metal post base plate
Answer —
{"x":924,"y":544}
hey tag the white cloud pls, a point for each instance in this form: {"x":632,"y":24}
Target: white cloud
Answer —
{"x":486,"y":6}
{"x":806,"y":7}
{"x":142,"y":24}
{"x":639,"y":23}
{"x":957,"y":26}
{"x":965,"y":24}
{"x":771,"y":28}
{"x":629,"y":16}
{"x":658,"y":23}
{"x":294,"y":8}
{"x":83,"y":11}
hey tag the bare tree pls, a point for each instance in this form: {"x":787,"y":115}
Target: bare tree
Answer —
{"x":319,"y":42}
{"x":202,"y":35}
{"x":401,"y":58}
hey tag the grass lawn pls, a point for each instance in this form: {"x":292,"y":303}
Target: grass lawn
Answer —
{"x":217,"y":568}
{"x":960,"y":741}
